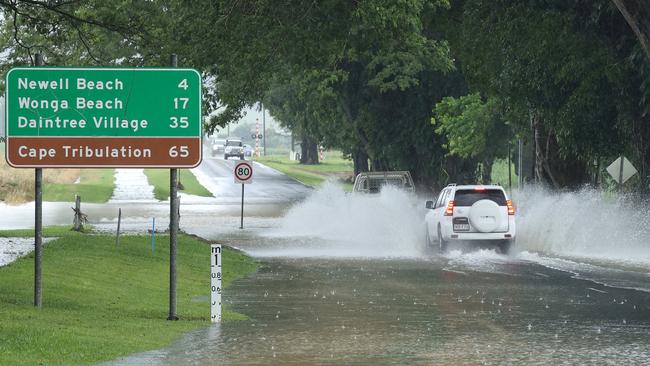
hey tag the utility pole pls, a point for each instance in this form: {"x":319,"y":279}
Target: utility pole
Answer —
{"x":520,"y":165}
{"x":509,"y":168}
{"x":263,"y":129}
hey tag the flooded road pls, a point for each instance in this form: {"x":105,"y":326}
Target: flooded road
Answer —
{"x":311,"y":311}
{"x":346,"y":280}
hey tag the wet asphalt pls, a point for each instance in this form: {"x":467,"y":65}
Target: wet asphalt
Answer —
{"x":461,"y":308}
{"x":452,"y":309}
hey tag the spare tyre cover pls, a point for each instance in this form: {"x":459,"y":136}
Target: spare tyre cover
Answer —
{"x":484,"y":216}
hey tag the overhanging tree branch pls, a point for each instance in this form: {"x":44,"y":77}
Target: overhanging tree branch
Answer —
{"x":637,"y":15}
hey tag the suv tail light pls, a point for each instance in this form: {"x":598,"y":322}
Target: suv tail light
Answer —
{"x":449,"y":211}
{"x":511,"y":207}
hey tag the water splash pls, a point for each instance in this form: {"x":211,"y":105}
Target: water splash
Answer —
{"x":584,"y":224}
{"x":576,"y":225}
{"x":334,"y":223}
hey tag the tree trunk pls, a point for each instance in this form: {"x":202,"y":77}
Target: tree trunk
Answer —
{"x":550,"y":167}
{"x":637,"y":15}
{"x":308,"y":150}
{"x":486,"y":171}
{"x":539,"y":155}
{"x":379,"y":165}
{"x":641,"y":151}
{"x":360,"y":160}
{"x":459,"y":170}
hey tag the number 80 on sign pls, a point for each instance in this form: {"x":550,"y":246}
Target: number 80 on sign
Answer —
{"x":243,"y":173}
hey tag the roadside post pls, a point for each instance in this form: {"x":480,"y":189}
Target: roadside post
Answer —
{"x":243,"y":173}
{"x":215,"y":283}
{"x":153,"y":235}
{"x":119,"y":221}
{"x":77,"y":213}
{"x":84,"y":117}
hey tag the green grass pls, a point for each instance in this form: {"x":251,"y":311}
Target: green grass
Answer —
{"x":333,"y":167}
{"x":95,"y":186}
{"x":48,"y":231}
{"x":159,"y":178}
{"x":101,"y":301}
{"x":500,"y":174}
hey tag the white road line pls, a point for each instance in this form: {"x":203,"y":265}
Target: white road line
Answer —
{"x":593,"y":289}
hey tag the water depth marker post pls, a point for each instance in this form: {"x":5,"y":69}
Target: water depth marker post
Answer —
{"x":215,"y":283}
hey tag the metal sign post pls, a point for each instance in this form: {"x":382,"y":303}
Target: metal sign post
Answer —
{"x":243,"y":173}
{"x":38,"y":223}
{"x":241,"y":223}
{"x":215,"y":283}
{"x":620,"y":176}
{"x":173,"y":226}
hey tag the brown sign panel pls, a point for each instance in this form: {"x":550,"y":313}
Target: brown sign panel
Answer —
{"x":104,"y":152}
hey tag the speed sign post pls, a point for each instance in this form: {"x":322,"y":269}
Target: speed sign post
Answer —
{"x":243,"y":175}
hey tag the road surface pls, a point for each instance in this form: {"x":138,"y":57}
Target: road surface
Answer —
{"x":346,"y":280}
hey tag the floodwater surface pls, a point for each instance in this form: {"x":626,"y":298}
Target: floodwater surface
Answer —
{"x":346,"y":280}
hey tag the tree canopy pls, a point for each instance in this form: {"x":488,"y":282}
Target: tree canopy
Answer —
{"x":438,"y":87}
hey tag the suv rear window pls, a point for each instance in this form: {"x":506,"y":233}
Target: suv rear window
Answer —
{"x":467,"y":197}
{"x":233,"y":143}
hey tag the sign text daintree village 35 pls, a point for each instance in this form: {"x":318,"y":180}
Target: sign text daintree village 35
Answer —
{"x":103,"y":117}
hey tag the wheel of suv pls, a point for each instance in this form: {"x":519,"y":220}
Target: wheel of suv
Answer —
{"x":429,"y":241}
{"x":504,"y":246}
{"x":442,"y":244}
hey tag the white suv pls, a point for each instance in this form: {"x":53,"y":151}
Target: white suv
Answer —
{"x":234,"y":147}
{"x":471,"y":213}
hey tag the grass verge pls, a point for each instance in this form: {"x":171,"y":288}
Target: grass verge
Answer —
{"x":159,"y":179}
{"x":101,"y":301}
{"x":95,"y":186}
{"x":334,"y":166}
{"x":17,"y":185}
{"x":500,"y":173}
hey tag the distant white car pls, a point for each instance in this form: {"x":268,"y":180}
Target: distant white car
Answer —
{"x":248,"y":150}
{"x":218,"y":146}
{"x":234,"y":147}
{"x":471,"y":213}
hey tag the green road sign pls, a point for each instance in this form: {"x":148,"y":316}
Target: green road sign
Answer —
{"x":91,"y":117}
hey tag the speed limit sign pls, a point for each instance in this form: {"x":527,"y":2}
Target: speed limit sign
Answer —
{"x":243,"y":173}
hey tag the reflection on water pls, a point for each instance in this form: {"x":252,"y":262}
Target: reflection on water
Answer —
{"x":345,"y":281}
{"x":310,"y":311}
